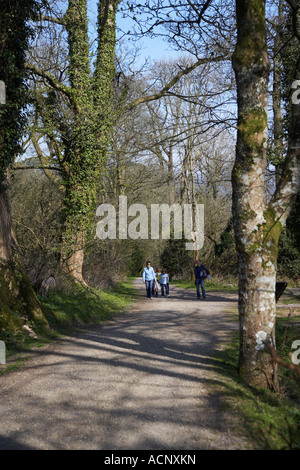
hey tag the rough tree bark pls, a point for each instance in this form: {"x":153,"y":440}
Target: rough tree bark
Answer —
{"x":18,"y":302}
{"x":257,"y":225}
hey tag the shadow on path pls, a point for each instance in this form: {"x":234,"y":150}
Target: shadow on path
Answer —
{"x":144,"y":380}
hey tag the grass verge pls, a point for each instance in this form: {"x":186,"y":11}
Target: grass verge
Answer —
{"x":66,"y":313}
{"x":268,"y":421}
{"x":229,"y":285}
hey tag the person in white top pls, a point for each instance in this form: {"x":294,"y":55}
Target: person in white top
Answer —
{"x":148,"y":279}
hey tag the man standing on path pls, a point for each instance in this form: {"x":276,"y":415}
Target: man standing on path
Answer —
{"x":148,"y":279}
{"x":201,"y":273}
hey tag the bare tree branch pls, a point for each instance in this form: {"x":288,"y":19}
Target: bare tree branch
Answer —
{"x":44,"y":163}
{"x":33,"y":167}
{"x":52,"y":81}
{"x":175,"y":79}
{"x":51,"y":19}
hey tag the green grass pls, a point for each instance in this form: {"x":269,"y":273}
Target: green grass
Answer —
{"x":287,"y":299}
{"x":84,"y":307}
{"x":288,"y":331}
{"x":229,"y":285}
{"x":268,"y":420}
{"x":65,"y":313}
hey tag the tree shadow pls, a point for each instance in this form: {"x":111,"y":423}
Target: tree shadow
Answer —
{"x":146,"y":373}
{"x":7,"y":443}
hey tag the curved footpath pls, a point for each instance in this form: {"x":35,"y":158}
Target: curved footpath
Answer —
{"x":144,"y":380}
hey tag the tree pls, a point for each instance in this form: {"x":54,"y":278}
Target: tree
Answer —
{"x":258,"y":221}
{"x":175,"y":259}
{"x":257,"y":224}
{"x":183,"y":121}
{"x":17,"y":296}
{"x":81,"y":141}
{"x":79,"y":131}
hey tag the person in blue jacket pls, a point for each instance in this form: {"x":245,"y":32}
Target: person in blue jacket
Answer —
{"x":164,"y":283}
{"x":201,"y":273}
{"x":148,"y":279}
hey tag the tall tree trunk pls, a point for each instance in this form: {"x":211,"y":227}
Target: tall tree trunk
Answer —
{"x":77,"y":158}
{"x":257,"y":225}
{"x":18,"y":302}
{"x":5,"y":225}
{"x":171,"y":176}
{"x":256,"y":237}
{"x":73,"y":253}
{"x":92,"y":116}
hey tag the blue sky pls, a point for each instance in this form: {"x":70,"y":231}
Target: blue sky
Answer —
{"x":156,"y":48}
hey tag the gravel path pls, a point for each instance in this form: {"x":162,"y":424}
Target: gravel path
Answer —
{"x":144,"y":380}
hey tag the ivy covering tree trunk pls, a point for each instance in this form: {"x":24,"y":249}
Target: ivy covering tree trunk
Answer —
{"x":92,"y":108}
{"x":18,"y":302}
{"x":257,"y":224}
{"x":77,"y":169}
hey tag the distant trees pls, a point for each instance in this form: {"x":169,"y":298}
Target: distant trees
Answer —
{"x":183,"y":126}
{"x":176,"y":260}
{"x":76,"y":105}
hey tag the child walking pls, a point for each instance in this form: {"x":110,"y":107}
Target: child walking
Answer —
{"x":164,"y":282}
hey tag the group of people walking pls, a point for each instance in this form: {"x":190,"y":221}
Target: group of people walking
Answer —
{"x":153,"y":284}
